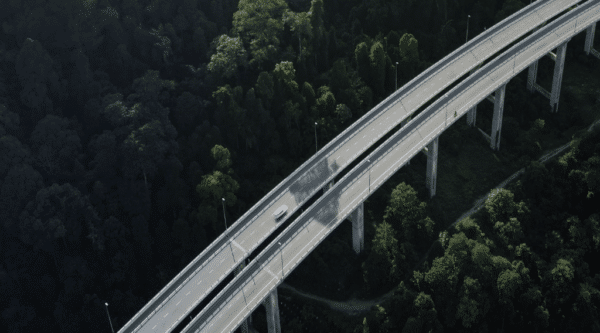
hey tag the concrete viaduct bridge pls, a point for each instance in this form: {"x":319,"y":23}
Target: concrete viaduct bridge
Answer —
{"x":257,"y":283}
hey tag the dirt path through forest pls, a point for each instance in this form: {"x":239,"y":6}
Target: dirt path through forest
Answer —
{"x":355,"y":307}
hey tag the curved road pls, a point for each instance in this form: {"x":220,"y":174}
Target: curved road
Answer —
{"x":253,"y":284}
{"x":355,"y":307}
{"x":184,"y":292}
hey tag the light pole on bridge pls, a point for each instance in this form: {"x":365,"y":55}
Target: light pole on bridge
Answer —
{"x":467,"y":37}
{"x":316,"y":146}
{"x":224,"y":217}
{"x":110,"y":321}
{"x":396,"y":75}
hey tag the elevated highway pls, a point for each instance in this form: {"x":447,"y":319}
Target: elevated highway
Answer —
{"x":260,"y":279}
{"x":184,"y":292}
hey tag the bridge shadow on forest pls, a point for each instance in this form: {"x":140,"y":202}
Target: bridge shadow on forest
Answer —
{"x":309,"y":188}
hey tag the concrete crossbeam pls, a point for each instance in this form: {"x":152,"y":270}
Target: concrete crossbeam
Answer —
{"x":272,"y":306}
{"x":358,"y":228}
{"x":497,"y":118}
{"x":432,"y":156}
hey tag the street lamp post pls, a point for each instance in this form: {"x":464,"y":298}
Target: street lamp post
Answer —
{"x":110,"y":321}
{"x":396,"y":75}
{"x":224,"y":217}
{"x":467,"y":37}
{"x":316,"y":146}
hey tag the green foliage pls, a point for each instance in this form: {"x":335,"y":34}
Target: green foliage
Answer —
{"x":265,"y":86}
{"x":13,"y":152}
{"x":325,"y":104}
{"x":407,"y":213}
{"x":500,"y":206}
{"x":285,"y":73}
{"x":384,"y":263}
{"x":58,"y":212}
{"x":361,"y":56}
{"x":316,"y":13}
{"x":343,"y":112}
{"x":56,"y":146}
{"x":584,"y":234}
{"x":474,"y":303}
{"x":229,"y":55}
{"x":377,"y":60}
{"x":260,"y":25}
{"x":19,"y":187}
{"x":144,"y":149}
{"x":301,"y":26}
{"x":223,"y":158}
{"x":408,"y":48}
{"x":509,"y":232}
{"x":34,"y":67}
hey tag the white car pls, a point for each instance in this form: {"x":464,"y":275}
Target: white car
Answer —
{"x":280,"y":212}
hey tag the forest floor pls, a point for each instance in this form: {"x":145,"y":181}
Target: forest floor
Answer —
{"x":357,"y":307}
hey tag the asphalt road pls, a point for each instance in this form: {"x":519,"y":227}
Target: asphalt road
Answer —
{"x":217,"y":261}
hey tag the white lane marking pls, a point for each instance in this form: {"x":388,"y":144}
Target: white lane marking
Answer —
{"x":239,"y":246}
{"x":268,"y":270}
{"x":187,"y":293}
{"x":200,"y":281}
{"x":154,"y":327}
{"x":222,"y":261}
{"x":178,"y":303}
{"x":165,"y":315}
{"x":211,"y":271}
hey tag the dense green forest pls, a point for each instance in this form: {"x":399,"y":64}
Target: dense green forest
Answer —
{"x":124,"y":122}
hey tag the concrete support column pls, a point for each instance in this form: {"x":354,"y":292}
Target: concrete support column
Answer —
{"x":432,"y":155}
{"x":559,"y":67}
{"x":497,"y":118}
{"x":272,"y":305}
{"x":358,"y":228}
{"x":246,"y":324}
{"x":589,"y":41}
{"x":532,"y":77}
{"x":471,"y":115}
{"x":404,"y":122}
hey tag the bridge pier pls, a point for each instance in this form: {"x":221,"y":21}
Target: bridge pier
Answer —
{"x":272,"y":306}
{"x":357,"y":217}
{"x":471,"y":115}
{"x":246,"y":324}
{"x":497,"y":118}
{"x":432,"y":156}
{"x":589,"y":41}
{"x":559,"y":67}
